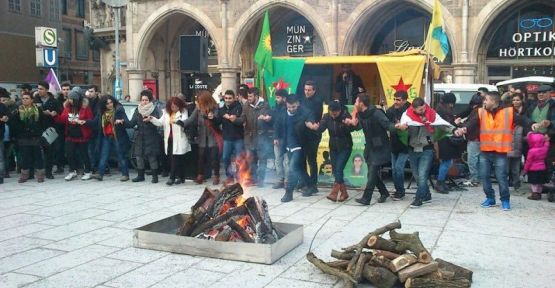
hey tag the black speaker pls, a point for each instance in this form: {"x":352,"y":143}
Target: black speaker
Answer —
{"x":193,"y":53}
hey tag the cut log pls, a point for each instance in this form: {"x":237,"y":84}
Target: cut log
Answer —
{"x":436,"y":283}
{"x":363,"y":242}
{"x":412,"y":243}
{"x":198,"y":212}
{"x":440,"y":274}
{"x":460,"y":272}
{"x":342,"y":255}
{"x":222,"y":219}
{"x":340,"y":264}
{"x":403,"y":261}
{"x":417,"y":269}
{"x":329,"y":270}
{"x":383,"y":262}
{"x":237,"y":228}
{"x":379,"y":243}
{"x":225,"y":196}
{"x":387,"y":254}
{"x":362,"y":260}
{"x":379,"y":276}
{"x":224,"y":235}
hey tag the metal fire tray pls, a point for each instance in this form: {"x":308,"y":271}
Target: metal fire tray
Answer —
{"x":160,"y":235}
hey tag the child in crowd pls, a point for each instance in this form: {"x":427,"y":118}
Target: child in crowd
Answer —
{"x":535,"y":165}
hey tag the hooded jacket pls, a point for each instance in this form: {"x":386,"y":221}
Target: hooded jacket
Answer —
{"x":535,"y":161}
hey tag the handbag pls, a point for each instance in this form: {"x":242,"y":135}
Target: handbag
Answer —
{"x":50,"y":135}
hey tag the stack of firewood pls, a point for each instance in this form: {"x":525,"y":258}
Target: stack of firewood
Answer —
{"x":227,"y":216}
{"x":401,"y":259}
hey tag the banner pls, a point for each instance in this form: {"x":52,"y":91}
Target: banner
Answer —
{"x":355,"y":171}
{"x":401,"y":74}
{"x":287,"y":73}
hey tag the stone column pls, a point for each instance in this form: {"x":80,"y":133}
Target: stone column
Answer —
{"x":334,"y":51}
{"x":135,"y":83}
{"x":225,"y":45}
{"x":229,"y":78}
{"x":465,"y":73}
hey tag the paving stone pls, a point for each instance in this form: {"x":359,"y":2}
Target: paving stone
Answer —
{"x":137,"y":255}
{"x":22,"y":230}
{"x":20,"y":244}
{"x":292,"y":283}
{"x":29,"y":257}
{"x":74,"y":217}
{"x":87,"y":275}
{"x":80,"y":241}
{"x":191,"y":278}
{"x":67,"y":260}
{"x":72,"y":229}
{"x":13,"y":280}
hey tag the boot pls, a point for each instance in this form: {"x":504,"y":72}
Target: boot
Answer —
{"x":200,"y":179}
{"x":140,"y":176}
{"x":48,"y":174}
{"x":343,"y":195}
{"x":333,"y":194}
{"x":441,"y":188}
{"x":535,"y":196}
{"x":154,"y":176}
{"x":24,"y":176}
{"x":551,"y":195}
{"x":366,"y":197}
{"x":40,"y":175}
{"x":216,"y":180}
{"x":288,"y":196}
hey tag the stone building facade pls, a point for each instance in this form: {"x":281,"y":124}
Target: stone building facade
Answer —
{"x":490,"y":40}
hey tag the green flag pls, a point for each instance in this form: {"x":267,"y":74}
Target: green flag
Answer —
{"x":263,"y":55}
{"x":287,"y":73}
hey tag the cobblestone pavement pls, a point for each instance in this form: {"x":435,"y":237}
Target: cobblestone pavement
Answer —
{"x":79,"y":234}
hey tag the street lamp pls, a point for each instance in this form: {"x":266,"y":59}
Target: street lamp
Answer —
{"x":116,"y":5}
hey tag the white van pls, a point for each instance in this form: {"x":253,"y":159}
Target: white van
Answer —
{"x":463,"y":92}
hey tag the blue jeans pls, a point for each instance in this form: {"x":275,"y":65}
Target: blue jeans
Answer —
{"x":296,"y":172}
{"x":398,"y":162}
{"x":231,"y":147}
{"x":499,"y":162}
{"x":107,"y":144}
{"x":443,"y":169}
{"x":280,"y":161}
{"x":473,"y":156}
{"x":94,"y":151}
{"x":339,"y":160}
{"x":421,"y":164}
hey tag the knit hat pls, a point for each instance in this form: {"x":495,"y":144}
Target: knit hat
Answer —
{"x":75,"y":93}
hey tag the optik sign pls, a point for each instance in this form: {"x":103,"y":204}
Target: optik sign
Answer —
{"x":46,"y":41}
{"x":532,"y":30}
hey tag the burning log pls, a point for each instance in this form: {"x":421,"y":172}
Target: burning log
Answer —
{"x":237,"y":228}
{"x":390,"y":262}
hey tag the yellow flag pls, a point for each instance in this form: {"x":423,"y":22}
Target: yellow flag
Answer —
{"x":401,"y":74}
{"x":437,"y":43}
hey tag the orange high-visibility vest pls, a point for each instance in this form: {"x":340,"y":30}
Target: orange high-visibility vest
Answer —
{"x":496,"y":132}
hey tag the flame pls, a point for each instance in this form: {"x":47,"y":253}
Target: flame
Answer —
{"x":244,"y":173}
{"x":243,"y":222}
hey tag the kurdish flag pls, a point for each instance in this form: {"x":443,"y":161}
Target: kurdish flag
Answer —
{"x":287,"y":73}
{"x":437,"y":43}
{"x":263,"y":55}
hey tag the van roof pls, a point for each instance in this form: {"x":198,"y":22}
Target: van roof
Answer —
{"x":526,"y":80}
{"x":462,"y":87}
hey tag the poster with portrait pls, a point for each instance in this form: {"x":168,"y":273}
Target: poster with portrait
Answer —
{"x":355,"y":170}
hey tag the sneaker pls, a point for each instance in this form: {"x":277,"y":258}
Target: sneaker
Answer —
{"x":86,"y":176}
{"x":488,"y":203}
{"x":505,"y":205}
{"x":470,"y":184}
{"x":416,"y":203}
{"x":398,"y":197}
{"x":427,"y":198}
{"x":71,"y":176}
{"x":382,"y":198}
{"x":124,"y":178}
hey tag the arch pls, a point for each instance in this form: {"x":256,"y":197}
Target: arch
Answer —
{"x":252,"y":15}
{"x":366,"y":9}
{"x":157,"y":17}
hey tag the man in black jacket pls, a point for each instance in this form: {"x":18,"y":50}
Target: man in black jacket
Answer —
{"x":294,"y":127}
{"x":230,"y":116}
{"x":314,"y":104}
{"x":377,"y":150}
{"x":399,"y":151}
{"x":279,"y":112}
{"x":348,"y":85}
{"x":51,"y":108}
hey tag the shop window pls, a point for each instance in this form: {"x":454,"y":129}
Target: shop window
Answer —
{"x":67,"y":43}
{"x":81,"y":46}
{"x":64,"y":7}
{"x":35,"y":8}
{"x":499,"y":71}
{"x":525,"y":34}
{"x":80,"y":8}
{"x":14,"y":6}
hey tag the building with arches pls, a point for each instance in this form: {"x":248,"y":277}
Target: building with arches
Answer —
{"x":490,"y":40}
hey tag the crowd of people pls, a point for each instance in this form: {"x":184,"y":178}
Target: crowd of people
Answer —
{"x":511,"y":133}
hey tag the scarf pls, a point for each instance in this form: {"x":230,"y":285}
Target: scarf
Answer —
{"x":427,"y":119}
{"x":108,"y":118}
{"x":28,"y":114}
{"x":146,"y":110}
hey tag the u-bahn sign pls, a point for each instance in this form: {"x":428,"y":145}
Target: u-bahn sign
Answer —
{"x":47,"y":57}
{"x":46,"y":37}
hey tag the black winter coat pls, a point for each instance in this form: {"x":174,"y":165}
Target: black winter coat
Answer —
{"x":146,"y":140}
{"x":394,"y":116}
{"x":301,"y":131}
{"x":231,"y":130}
{"x":27,"y":133}
{"x":51,"y":105}
{"x":375,"y":125}
{"x":340,"y":134}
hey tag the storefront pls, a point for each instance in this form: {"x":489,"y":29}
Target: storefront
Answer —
{"x":521,"y":43}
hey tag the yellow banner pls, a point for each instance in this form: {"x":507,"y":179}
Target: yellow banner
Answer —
{"x":401,"y":73}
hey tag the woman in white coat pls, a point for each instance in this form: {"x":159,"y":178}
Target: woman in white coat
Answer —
{"x":176,"y":144}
